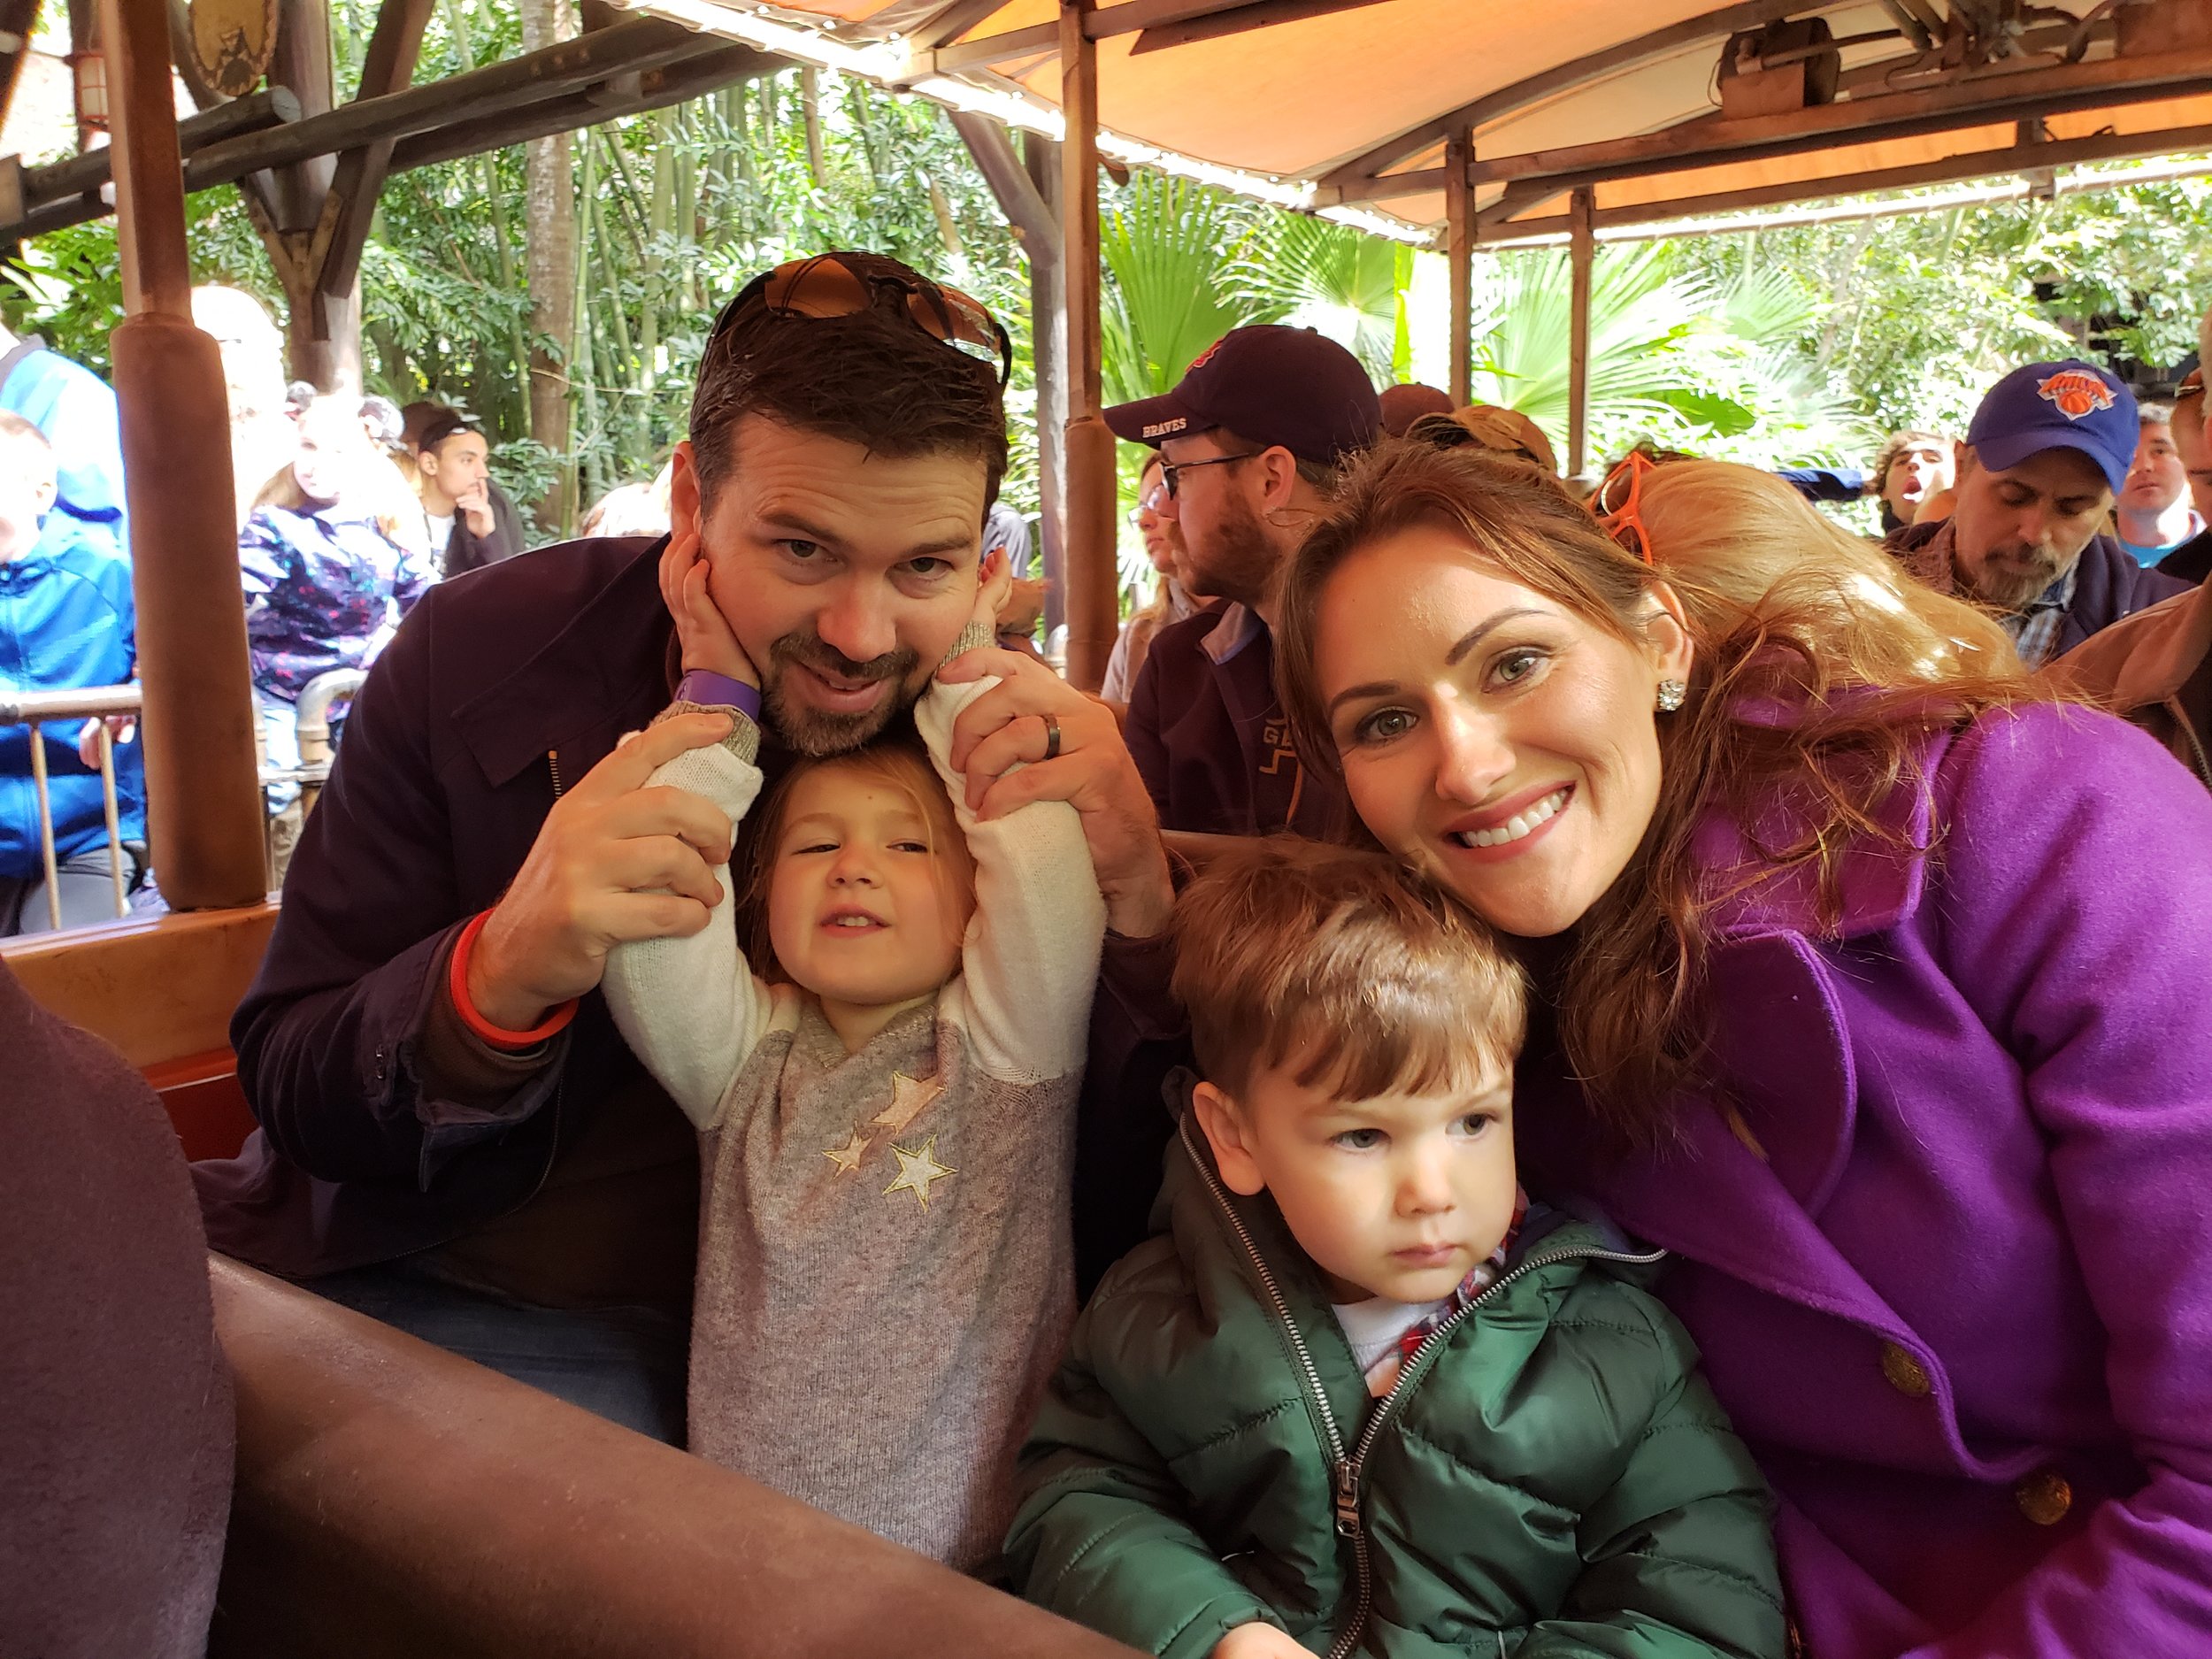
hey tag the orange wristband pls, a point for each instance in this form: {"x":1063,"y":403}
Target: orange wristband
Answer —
{"x":457,"y":985}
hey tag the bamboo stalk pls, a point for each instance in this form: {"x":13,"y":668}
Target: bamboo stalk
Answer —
{"x":510,"y":284}
{"x":632,"y":199}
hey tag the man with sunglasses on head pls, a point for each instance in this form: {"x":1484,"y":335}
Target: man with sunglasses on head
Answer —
{"x":454,"y":1137}
{"x":1249,"y":442}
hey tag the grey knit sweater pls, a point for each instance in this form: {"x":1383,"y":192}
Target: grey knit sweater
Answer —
{"x":886,"y":1274}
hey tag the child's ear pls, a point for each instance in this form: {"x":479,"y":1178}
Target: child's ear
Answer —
{"x":1218,"y":1117}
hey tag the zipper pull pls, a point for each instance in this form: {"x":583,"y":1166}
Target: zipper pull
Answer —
{"x":1347,"y":1499}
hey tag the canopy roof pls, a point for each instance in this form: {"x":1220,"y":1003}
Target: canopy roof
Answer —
{"x":1346,"y":105}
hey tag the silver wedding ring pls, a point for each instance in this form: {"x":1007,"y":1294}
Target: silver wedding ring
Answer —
{"x":1052,"y":737}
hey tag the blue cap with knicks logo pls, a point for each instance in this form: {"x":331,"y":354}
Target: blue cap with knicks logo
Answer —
{"x":1270,"y":384}
{"x":2069,"y":405}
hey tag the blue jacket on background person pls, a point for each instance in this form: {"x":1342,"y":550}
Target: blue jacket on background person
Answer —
{"x":320,"y":585}
{"x":66,"y":619}
{"x":74,"y":410}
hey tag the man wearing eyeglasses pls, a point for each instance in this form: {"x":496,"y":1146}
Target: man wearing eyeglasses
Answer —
{"x":1249,"y":442}
{"x":454,"y":1137}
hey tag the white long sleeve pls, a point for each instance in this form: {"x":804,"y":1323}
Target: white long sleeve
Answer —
{"x":1030,"y":959}
{"x":692,"y":1008}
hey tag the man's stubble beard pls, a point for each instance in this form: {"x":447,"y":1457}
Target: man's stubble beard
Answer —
{"x":2012,"y":578}
{"x":815,"y":732}
{"x":1242,"y":562}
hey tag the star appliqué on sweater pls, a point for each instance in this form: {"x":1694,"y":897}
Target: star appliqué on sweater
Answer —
{"x":847,"y":1156}
{"x":918,"y":1171}
{"x":908,"y":1096}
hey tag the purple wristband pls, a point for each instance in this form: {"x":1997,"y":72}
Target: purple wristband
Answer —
{"x":718,"y":691}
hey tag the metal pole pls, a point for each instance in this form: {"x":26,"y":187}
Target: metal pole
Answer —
{"x":114,"y":819}
{"x":205,"y":808}
{"x":45,"y":827}
{"x":1459,"y":215}
{"x":1583,"y":250}
{"x":1094,"y":588}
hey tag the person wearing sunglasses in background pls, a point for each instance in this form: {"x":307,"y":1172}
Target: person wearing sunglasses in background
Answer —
{"x":453,"y":1137}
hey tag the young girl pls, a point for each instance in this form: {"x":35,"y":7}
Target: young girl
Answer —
{"x":887,"y":1095}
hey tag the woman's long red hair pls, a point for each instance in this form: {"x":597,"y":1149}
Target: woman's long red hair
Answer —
{"x":1787,"y":612}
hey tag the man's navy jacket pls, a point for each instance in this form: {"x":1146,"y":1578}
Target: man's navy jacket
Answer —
{"x":495,"y":681}
{"x":444,"y":776}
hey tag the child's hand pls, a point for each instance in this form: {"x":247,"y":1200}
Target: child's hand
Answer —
{"x":701,"y":628}
{"x":994,"y":585}
{"x":1258,"y":1641}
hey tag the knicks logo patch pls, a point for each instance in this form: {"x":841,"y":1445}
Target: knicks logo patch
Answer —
{"x":2075,"y":394}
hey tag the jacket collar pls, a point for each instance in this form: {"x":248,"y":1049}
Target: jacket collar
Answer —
{"x":1238,"y":628}
{"x":1879,"y":888}
{"x":604,"y":673}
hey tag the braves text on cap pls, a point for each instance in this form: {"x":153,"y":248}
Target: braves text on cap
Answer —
{"x":1164,"y":428}
{"x":2075,"y":394}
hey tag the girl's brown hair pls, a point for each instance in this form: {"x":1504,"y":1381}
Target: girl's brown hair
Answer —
{"x":1789,"y":615}
{"x":897,"y":760}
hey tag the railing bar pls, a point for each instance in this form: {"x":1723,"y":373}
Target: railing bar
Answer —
{"x":46,"y":827}
{"x":115,"y":820}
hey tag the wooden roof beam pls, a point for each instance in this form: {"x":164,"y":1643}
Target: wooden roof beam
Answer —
{"x":1131,"y":17}
{"x":503,"y":89}
{"x":1713,"y":25}
{"x":1255,"y":14}
{"x":655,"y":90}
{"x":2002,"y":96}
{"x":388,"y":67}
{"x":1496,"y":221}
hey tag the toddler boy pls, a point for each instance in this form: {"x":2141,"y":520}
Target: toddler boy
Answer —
{"x":1360,"y":1395}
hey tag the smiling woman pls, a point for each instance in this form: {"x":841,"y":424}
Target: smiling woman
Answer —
{"x":1866,"y":985}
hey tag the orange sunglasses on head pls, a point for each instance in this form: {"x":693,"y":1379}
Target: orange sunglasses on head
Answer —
{"x":1618,"y":504}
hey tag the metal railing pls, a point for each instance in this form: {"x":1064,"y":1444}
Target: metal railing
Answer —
{"x":102,"y":702}
{"x":86,"y":702}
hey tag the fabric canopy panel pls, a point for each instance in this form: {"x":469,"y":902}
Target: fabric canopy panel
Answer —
{"x":1341,"y":100}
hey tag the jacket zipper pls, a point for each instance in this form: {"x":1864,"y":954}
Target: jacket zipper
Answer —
{"x":1345,"y":1474}
{"x":553,"y":765}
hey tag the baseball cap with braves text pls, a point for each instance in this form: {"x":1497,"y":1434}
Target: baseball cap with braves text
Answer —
{"x":1270,"y":384}
{"x":2071,"y":405}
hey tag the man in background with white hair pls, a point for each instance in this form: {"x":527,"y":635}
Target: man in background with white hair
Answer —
{"x":262,"y":433}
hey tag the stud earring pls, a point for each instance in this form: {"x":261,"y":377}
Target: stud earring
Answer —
{"x":1672,"y":694}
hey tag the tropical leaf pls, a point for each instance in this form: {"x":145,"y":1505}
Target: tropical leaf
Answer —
{"x":1639,"y":317}
{"x":1346,"y":283}
{"x":1165,"y":244}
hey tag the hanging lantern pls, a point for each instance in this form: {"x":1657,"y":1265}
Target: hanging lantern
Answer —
{"x":88,"y":73}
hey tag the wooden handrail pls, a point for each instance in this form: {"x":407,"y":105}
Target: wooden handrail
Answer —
{"x":395,"y":1500}
{"x":159,"y":989}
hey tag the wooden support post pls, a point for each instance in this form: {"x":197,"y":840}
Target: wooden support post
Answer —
{"x":1094,"y":584}
{"x":1048,"y":351}
{"x":322,"y":331}
{"x":1583,"y":250}
{"x":204,"y":807}
{"x":1026,"y":186}
{"x":1459,"y":232}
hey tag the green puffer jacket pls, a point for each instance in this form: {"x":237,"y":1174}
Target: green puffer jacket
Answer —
{"x":1551,"y":1477}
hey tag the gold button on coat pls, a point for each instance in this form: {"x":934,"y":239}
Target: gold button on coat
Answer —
{"x":1905,"y":1374}
{"x":2043,"y":1497}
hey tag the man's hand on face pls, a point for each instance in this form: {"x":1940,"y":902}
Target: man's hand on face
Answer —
{"x":1093,"y":772}
{"x":476,"y":504}
{"x":702,"y":630}
{"x":614,"y":861}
